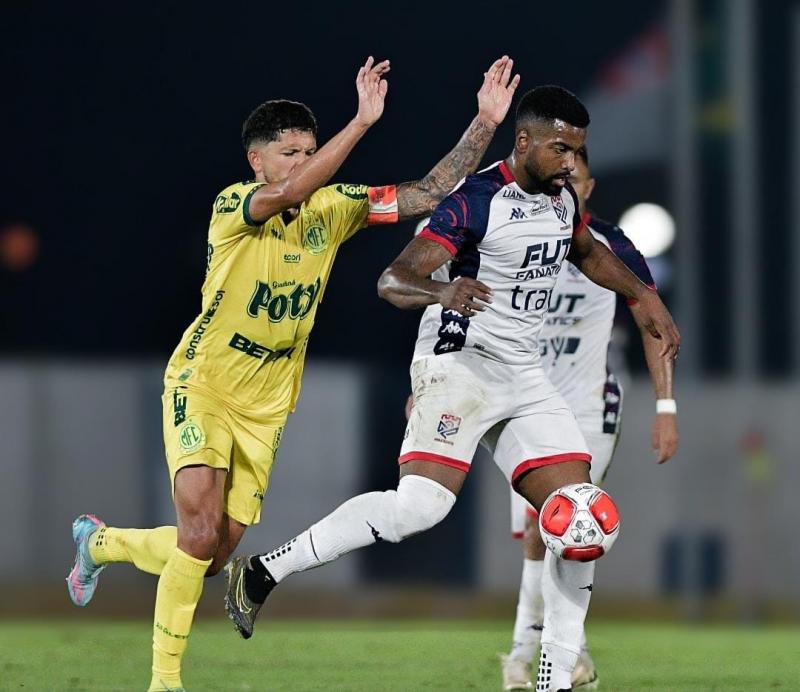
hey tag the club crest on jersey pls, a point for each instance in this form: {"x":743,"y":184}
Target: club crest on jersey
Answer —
{"x":559,"y":208}
{"x":448,"y":425}
{"x":315,"y":239}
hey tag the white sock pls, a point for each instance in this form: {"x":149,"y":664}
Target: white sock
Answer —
{"x":566,"y":599}
{"x":530,"y":612}
{"x":418,"y":504}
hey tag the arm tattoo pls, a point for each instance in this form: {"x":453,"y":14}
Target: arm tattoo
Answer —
{"x":420,"y":197}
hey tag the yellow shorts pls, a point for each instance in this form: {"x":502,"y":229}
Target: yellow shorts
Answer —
{"x":201,"y":430}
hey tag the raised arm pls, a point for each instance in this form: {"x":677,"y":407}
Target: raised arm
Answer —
{"x":406,"y":282}
{"x":603,"y":267}
{"x":419,"y":197}
{"x":314,"y":172}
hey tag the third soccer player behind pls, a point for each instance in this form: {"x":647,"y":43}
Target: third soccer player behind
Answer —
{"x":574,"y":351}
{"x":235,"y":376}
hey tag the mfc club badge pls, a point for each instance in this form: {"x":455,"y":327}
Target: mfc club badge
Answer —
{"x":448,"y":425}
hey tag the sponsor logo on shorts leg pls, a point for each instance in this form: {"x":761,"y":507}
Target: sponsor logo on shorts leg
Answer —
{"x":448,"y":426}
{"x":191,"y":437}
{"x":178,"y":407}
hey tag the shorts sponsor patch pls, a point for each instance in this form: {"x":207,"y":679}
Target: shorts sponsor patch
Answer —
{"x":448,"y":425}
{"x":191,"y":437}
{"x":178,"y":407}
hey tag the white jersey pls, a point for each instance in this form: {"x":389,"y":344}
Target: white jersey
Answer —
{"x":574,"y":340}
{"x":515,"y":243}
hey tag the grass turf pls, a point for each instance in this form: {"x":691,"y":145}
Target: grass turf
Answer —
{"x":381,"y":655}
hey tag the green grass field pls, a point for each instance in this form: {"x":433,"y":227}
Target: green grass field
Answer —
{"x":388,"y":656}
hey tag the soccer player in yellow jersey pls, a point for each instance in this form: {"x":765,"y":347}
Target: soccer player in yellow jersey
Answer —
{"x":235,"y":375}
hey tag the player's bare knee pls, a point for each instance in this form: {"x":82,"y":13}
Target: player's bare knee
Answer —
{"x":199,"y":536}
{"x":537,"y":485}
{"x":419,"y":504}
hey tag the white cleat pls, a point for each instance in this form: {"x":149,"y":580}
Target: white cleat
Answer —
{"x":585,"y":677}
{"x":516,"y":673}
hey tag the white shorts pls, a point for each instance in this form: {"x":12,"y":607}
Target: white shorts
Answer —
{"x":601,"y":445}
{"x":461,"y":399}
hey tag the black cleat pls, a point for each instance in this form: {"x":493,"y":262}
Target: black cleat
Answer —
{"x":241,"y":609}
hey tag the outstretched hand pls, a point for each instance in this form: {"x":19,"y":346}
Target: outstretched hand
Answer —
{"x":496,"y":92}
{"x":371,"y":88}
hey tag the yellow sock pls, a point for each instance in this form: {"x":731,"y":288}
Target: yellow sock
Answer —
{"x":179,"y":589}
{"x":148,"y":549}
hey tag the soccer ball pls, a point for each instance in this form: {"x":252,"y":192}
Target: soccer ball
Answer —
{"x":579,"y":522}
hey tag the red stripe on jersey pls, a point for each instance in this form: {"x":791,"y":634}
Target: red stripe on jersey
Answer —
{"x":436,"y":238}
{"x":529,"y":464}
{"x":517,"y":535}
{"x":382,"y":205}
{"x":435,"y":458}
{"x":508,"y":176}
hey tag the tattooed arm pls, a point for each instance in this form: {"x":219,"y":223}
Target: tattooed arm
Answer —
{"x":419,"y":197}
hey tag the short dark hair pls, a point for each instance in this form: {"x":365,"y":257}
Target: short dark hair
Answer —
{"x":552,"y":103}
{"x":583,"y":153}
{"x":271,"y":118}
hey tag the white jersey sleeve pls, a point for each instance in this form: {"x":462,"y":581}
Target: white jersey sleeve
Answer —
{"x":514,"y":242}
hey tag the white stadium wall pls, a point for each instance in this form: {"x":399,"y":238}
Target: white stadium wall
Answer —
{"x":82,"y":437}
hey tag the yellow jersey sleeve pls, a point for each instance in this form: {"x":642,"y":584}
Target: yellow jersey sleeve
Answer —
{"x":347,"y":209}
{"x":229,"y":216}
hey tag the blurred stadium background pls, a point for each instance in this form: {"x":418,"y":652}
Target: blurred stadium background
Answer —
{"x":120,"y":124}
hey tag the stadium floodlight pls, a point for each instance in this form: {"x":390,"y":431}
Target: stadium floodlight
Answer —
{"x":650,"y":227}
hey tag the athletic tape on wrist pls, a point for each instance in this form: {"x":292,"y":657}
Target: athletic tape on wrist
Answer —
{"x":666,"y":406}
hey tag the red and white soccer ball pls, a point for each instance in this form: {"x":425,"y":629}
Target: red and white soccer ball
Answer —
{"x":579,"y":522}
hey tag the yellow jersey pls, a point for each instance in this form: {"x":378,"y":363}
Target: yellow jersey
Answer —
{"x":263,"y":285}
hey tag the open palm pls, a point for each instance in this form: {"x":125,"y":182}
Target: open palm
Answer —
{"x":371,"y":88}
{"x":497,"y":91}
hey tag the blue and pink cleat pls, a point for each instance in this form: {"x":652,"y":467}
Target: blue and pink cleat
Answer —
{"x":82,"y":579}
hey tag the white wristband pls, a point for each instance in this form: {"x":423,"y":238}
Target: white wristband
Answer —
{"x":666,"y":406}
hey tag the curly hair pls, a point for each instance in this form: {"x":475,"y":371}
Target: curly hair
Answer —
{"x":271,"y":118}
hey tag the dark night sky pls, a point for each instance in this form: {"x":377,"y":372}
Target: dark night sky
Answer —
{"x":119,"y":127}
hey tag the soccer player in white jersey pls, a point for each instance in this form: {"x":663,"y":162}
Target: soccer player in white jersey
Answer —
{"x":574,"y":346}
{"x":476,"y":368}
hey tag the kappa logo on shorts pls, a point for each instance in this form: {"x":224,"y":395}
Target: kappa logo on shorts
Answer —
{"x":191,"y":437}
{"x":448,"y":425}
